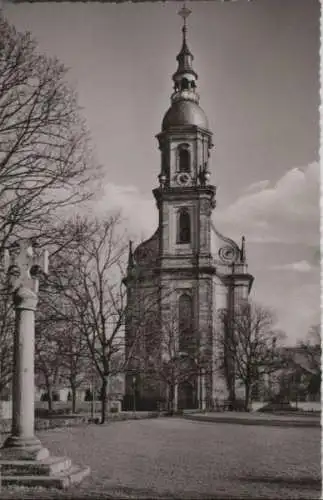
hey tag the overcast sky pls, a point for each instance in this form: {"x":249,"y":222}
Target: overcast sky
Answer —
{"x":258,"y":66}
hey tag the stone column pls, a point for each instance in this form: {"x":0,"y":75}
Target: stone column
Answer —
{"x":22,"y":444}
{"x":23,"y":459}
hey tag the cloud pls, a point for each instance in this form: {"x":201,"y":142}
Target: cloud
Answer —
{"x":302,"y":266}
{"x":287,"y":212}
{"x":257,"y":186}
{"x":139,"y":211}
{"x":299,"y":310}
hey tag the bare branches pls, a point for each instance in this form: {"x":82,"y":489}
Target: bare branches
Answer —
{"x":6,"y":338}
{"x":86,"y":277}
{"x":171,"y":356}
{"x":45,"y":159}
{"x":248,"y":343}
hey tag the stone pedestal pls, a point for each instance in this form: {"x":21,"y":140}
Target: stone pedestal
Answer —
{"x":51,"y":472}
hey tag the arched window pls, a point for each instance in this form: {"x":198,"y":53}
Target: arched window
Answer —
{"x":185,"y":323}
{"x":185,"y":84}
{"x":184,"y":159}
{"x":184,"y":227}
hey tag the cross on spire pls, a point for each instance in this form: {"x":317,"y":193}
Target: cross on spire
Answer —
{"x":184,"y":13}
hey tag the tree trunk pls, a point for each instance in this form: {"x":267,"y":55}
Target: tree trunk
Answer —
{"x":175,"y":398}
{"x":230,"y":381}
{"x":171,"y":398}
{"x":103,"y":400}
{"x":73,"y":391}
{"x":247,"y":397}
{"x":50,"y":399}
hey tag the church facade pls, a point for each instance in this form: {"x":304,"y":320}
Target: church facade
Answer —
{"x":179,"y":279}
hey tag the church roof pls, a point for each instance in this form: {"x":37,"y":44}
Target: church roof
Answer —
{"x":147,"y":252}
{"x":184,"y":112}
{"x":225,"y":253}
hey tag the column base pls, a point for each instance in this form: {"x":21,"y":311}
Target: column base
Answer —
{"x":51,"y":472}
{"x":22,"y":448}
{"x":25,"y":462}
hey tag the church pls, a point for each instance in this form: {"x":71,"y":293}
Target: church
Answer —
{"x":180,"y":279}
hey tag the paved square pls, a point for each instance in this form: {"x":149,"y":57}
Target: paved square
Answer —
{"x":168,"y":458}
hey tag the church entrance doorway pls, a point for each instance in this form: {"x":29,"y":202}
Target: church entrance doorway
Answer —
{"x":187,"y":396}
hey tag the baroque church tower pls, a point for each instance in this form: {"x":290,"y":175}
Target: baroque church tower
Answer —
{"x":179,"y":279}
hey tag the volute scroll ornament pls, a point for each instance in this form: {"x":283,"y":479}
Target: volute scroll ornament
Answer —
{"x":229,"y":253}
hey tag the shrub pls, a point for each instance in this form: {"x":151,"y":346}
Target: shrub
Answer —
{"x":238,"y":405}
{"x":277,"y":405}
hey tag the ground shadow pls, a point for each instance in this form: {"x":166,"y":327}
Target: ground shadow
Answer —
{"x":294,"y":482}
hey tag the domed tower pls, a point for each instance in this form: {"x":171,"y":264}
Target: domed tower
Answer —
{"x":185,"y":197}
{"x":185,"y":140}
{"x":185,"y":200}
{"x":175,"y":285}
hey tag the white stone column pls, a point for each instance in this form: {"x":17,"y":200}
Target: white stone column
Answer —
{"x":23,"y":376}
{"x":22,"y":444}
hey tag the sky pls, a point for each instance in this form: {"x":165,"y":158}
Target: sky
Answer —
{"x":258,"y":66}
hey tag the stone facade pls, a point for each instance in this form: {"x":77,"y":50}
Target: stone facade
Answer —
{"x":187,"y":261}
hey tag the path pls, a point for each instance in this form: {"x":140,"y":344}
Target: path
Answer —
{"x":173,"y":457}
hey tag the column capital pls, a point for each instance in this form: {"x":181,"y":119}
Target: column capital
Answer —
{"x":24,"y":298}
{"x":24,"y":265}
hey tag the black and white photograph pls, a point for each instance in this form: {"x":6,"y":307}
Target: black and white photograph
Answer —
{"x":160,"y":319}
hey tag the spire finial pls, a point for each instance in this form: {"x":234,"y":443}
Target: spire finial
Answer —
{"x":130,"y":255}
{"x":243,"y":250}
{"x":185,"y":77}
{"x":184,"y":13}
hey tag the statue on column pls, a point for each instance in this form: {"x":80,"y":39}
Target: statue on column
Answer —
{"x":24,"y":460}
{"x":24,"y":267}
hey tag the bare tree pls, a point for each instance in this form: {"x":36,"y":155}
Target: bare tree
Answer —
{"x":76,"y":363}
{"x":48,"y":363}
{"x":175,"y":359}
{"x":311,"y":349}
{"x":249,"y":338}
{"x":62,"y":356}
{"x":45,"y":159}
{"x":89,"y":277}
{"x":58,"y":238}
{"x":7,"y":325}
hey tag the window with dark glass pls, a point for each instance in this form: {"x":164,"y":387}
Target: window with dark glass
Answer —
{"x":184,"y":160}
{"x":184,"y":227}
